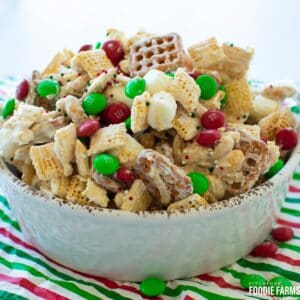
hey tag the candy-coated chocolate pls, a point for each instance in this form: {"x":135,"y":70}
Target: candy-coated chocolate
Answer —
{"x":152,"y":286}
{"x":106,"y":164}
{"x":8,"y":108}
{"x":135,"y":87}
{"x":208,"y":86}
{"x":199,"y":181}
{"x":94,"y":103}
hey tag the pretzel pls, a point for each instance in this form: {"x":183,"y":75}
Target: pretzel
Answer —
{"x":186,"y":126}
{"x":100,"y":82}
{"x":206,"y":53}
{"x":263,"y":107}
{"x":164,"y":180}
{"x":255,"y":163}
{"x":239,"y":101}
{"x":72,"y":107}
{"x":214,"y":102}
{"x":253,"y":130}
{"x":157,"y":81}
{"x":128,"y":152}
{"x":93,"y":62}
{"x":108,"y":138}
{"x":59,"y":186}
{"x":278,"y":92}
{"x":276,"y":121}
{"x":64,"y":146}
{"x":108,"y":183}
{"x":165,"y":104}
{"x":45,"y":162}
{"x":75,"y":190}
{"x":192,"y":201}
{"x":139,"y":111}
{"x":185,"y":90}
{"x":61,"y":58}
{"x":164,"y":53}
{"x":95,"y":194}
{"x":81,"y":159}
{"x":137,"y":198}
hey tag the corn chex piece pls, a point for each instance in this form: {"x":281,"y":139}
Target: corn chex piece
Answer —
{"x":137,"y":198}
{"x":81,"y":159}
{"x":192,"y":201}
{"x":115,"y":93}
{"x":75,"y":87}
{"x":162,"y":111}
{"x":185,"y":90}
{"x":64,"y":146}
{"x":45,"y":162}
{"x":96,"y":194}
{"x":28,"y":172}
{"x":72,"y":107}
{"x":206,"y":53}
{"x":253,"y":130}
{"x":186,"y":126}
{"x":139,"y":111}
{"x":100,"y":82}
{"x":92,"y":62}
{"x":214,"y":102}
{"x":128,"y":152}
{"x":119,"y":198}
{"x":75,"y":190}
{"x":216,"y":190}
{"x":195,"y":154}
{"x":108,"y":138}
{"x":61,"y":58}
{"x":59,"y":186}
{"x":239,"y":101}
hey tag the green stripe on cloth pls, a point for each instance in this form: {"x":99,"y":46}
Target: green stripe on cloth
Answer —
{"x":4,"y":202}
{"x":10,"y":296}
{"x":292,"y":212}
{"x":5,"y":218}
{"x":296,"y":176}
{"x":292,"y":200}
{"x":289,"y":246}
{"x":260,"y":266}
{"x":208,"y":295}
{"x":22,"y":254}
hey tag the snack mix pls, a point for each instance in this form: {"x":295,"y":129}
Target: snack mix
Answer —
{"x":140,"y":124}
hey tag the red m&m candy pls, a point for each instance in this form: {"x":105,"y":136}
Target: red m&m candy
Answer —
{"x":22,"y":90}
{"x":266,"y":249}
{"x":282,"y":234}
{"x":114,"y":51}
{"x":125,"y":175}
{"x":208,"y":137}
{"x":213,"y":119}
{"x":287,"y":138}
{"x":85,"y":47}
{"x":88,"y":128}
{"x":117,"y":113}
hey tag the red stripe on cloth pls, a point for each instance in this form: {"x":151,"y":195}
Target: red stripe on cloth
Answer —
{"x":34,"y":289}
{"x":294,"y":189}
{"x":219,"y":281}
{"x":108,"y":283}
{"x":286,"y":259}
{"x":288,"y":223}
{"x":188,"y":298}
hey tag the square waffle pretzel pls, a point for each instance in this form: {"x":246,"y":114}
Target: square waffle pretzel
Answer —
{"x":96,"y":194}
{"x":45,"y":162}
{"x":164,"y":53}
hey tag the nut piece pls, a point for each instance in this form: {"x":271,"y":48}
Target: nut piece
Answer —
{"x":164,"y":180}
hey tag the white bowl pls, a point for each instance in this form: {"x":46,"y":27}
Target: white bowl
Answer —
{"x":131,"y":246}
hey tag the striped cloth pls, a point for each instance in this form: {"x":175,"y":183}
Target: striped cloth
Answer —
{"x":25,"y":273}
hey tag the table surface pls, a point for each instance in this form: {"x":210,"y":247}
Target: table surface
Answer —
{"x":32,"y":31}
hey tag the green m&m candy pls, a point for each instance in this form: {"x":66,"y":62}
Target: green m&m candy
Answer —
{"x":223,"y":101}
{"x":199,"y":181}
{"x":295,"y":109}
{"x":208,"y":86}
{"x":170,"y":74}
{"x":8,"y":108}
{"x":128,"y":123}
{"x":152,"y":287}
{"x":48,"y":88}
{"x":275,"y":168}
{"x":98,"y":45}
{"x":135,"y":87}
{"x":252,"y":280}
{"x":94,"y":103}
{"x":106,"y":164}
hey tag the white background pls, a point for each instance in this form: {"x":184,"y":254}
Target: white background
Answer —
{"x":31,"y":31}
